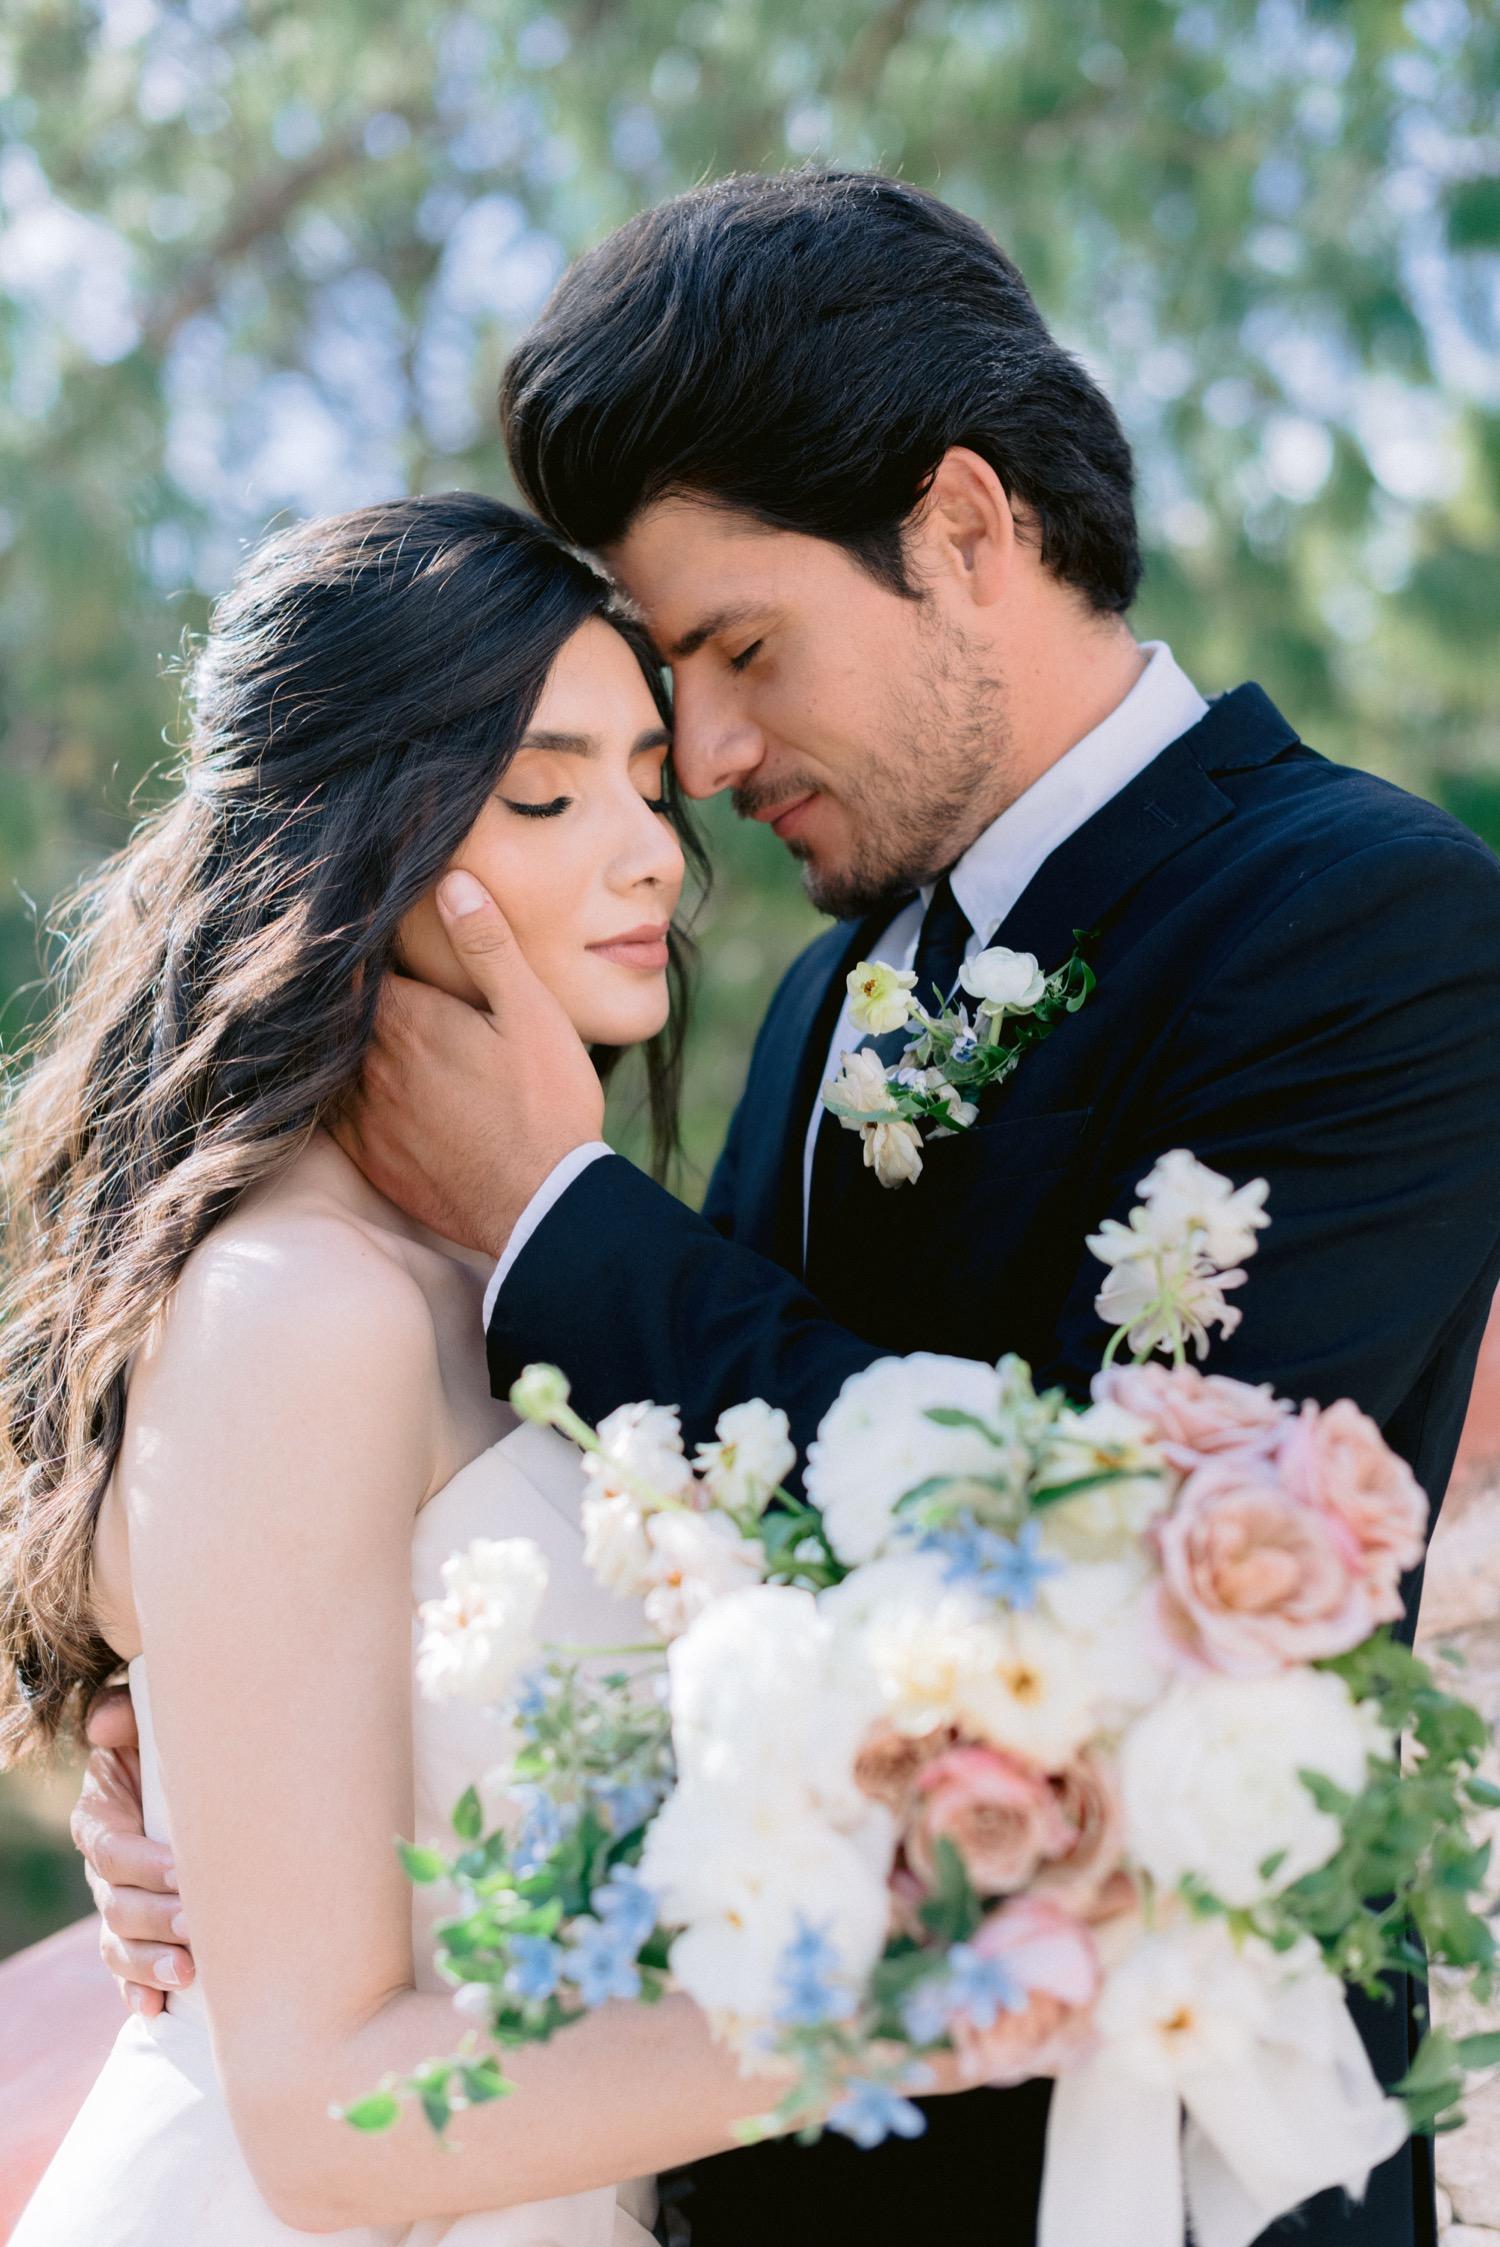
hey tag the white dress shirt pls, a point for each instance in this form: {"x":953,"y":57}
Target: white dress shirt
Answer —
{"x":987,"y":880}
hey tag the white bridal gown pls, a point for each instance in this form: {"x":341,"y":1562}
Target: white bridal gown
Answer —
{"x":152,"y":2159}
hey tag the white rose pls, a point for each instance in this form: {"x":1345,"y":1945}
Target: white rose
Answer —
{"x":767,"y":1697}
{"x":1210,"y":1779}
{"x":741,"y":1879}
{"x":879,"y":997}
{"x":923,"y":1639}
{"x":640,"y":1449}
{"x":752,"y":1456}
{"x":876,"y":1442}
{"x":695,"y":1559}
{"x":615,"y":1545}
{"x":479,"y":1636}
{"x":1003,"y":981}
{"x":1107,"y":1609}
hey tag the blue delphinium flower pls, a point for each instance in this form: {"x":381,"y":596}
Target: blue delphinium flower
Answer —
{"x":964,"y":1046}
{"x":543,"y":1826}
{"x":536,"y":1965}
{"x":627,"y":1907}
{"x":928,"y":2009}
{"x":982,"y":1988}
{"x":529,"y":1700}
{"x":625,"y":1804}
{"x":601,"y":1961}
{"x":870,"y":2111}
{"x":1002,"y":1568}
{"x":810,"y":1978}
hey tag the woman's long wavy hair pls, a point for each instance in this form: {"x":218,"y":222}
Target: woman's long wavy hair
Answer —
{"x":361,"y":688}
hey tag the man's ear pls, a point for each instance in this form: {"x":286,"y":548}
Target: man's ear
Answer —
{"x":965,"y":532}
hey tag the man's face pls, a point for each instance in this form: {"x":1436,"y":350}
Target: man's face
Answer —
{"x":856,"y":723}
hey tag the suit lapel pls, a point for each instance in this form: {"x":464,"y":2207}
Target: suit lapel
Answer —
{"x":1167,"y":806}
{"x":768,"y":1193}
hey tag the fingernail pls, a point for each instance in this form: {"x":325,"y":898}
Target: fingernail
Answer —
{"x":169,"y":1873}
{"x":179,"y":1926}
{"x":459,"y":893}
{"x":166,"y":1968}
{"x":133,"y":1998}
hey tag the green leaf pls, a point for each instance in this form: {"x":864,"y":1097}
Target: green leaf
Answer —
{"x":423,"y":1866}
{"x":1481,"y":2051}
{"x":375,"y":2112}
{"x":437,"y":2109}
{"x":468,"y":1817}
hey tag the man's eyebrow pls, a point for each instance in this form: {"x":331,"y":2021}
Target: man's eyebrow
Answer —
{"x":720,"y":621}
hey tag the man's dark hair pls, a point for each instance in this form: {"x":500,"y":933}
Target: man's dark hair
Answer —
{"x":806,"y":347}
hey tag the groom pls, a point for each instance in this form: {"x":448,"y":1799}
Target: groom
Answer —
{"x":881,"y":527}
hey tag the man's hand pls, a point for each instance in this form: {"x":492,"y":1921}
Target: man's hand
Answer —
{"x":463,"y":1112}
{"x":133,"y":1879}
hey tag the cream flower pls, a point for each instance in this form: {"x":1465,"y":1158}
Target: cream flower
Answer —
{"x":479,"y":1636}
{"x":879,"y":997}
{"x":894,"y":1152}
{"x":1097,"y":1524}
{"x":615,"y":1545}
{"x":752,"y":1456}
{"x":695,"y":1559}
{"x":1003,"y":981}
{"x":1031,"y":1693}
{"x":640,"y":1453}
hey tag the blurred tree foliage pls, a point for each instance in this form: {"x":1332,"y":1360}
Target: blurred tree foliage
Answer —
{"x":258,"y":257}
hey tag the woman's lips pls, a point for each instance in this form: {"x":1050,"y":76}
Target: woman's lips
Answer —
{"x":638,"y":947}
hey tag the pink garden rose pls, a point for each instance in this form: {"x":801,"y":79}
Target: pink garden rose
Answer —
{"x":1255,"y":1579}
{"x":999,"y":1812}
{"x":1055,"y":1966}
{"x":890,"y":1763}
{"x":1085,"y":1877}
{"x":1335,"y":1458}
{"x":1196,"y":1416}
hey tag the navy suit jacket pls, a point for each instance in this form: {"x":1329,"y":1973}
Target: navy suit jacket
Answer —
{"x":1299,"y":979}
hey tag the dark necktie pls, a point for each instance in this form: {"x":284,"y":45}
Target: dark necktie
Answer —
{"x":838,"y":1164}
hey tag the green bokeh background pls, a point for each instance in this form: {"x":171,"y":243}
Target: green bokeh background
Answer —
{"x":260,"y":259}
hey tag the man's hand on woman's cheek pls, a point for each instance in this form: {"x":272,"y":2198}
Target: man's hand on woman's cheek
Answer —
{"x":134,"y":1883}
{"x":462,"y":1112}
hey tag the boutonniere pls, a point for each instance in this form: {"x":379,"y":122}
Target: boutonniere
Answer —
{"x":951,"y":1057}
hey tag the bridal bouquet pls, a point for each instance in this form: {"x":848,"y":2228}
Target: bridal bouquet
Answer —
{"x":1059,"y":1738}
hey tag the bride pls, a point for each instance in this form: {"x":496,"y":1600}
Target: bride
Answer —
{"x":244,"y":1408}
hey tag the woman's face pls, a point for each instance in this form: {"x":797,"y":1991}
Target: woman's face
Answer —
{"x":575,"y":849}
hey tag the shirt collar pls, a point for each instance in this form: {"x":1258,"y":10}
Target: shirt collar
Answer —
{"x":1161,"y":706}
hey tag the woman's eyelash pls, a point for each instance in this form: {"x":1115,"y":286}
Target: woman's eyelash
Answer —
{"x":538,"y":811}
{"x":739,"y":662}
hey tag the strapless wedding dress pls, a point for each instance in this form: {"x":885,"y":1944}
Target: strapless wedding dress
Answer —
{"x":152,"y":2159}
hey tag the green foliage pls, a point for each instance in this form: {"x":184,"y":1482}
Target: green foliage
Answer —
{"x":260,"y":258}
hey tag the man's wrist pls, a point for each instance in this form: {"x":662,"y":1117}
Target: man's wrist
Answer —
{"x":556,"y":1183}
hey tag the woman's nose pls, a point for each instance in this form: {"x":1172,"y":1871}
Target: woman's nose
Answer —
{"x":654,"y":857}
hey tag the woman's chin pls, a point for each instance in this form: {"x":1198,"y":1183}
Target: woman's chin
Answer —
{"x":624,"y":1025}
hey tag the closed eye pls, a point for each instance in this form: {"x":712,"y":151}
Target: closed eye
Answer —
{"x":538,"y":811}
{"x":746,"y":656}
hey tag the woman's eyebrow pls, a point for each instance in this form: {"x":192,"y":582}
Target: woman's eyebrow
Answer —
{"x":587,"y":744}
{"x":567,"y":744}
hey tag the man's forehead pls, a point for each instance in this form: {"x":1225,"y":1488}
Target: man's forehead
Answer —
{"x":693,"y":569}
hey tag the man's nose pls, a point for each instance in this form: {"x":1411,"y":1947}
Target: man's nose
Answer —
{"x":713,"y":747}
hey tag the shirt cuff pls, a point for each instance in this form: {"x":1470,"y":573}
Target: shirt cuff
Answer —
{"x":550,"y":1191}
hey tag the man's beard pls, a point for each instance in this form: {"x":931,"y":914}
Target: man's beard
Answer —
{"x":937,"y":778}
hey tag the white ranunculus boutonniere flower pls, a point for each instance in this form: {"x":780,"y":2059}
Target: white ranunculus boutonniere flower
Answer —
{"x":948,"y":1061}
{"x":1004,"y":982}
